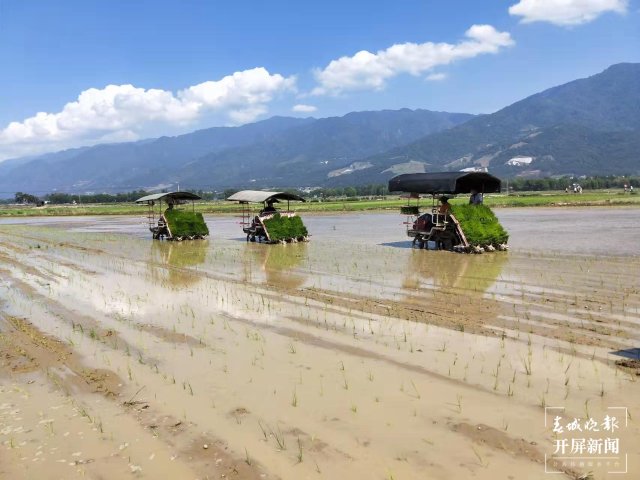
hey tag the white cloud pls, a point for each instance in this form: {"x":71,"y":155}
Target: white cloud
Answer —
{"x":118,"y":112}
{"x":366,"y":70}
{"x":249,"y":88}
{"x":436,"y":77}
{"x":304,"y":108}
{"x":565,"y":12}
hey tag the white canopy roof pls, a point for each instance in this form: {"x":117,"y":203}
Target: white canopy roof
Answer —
{"x":171,"y":195}
{"x":258,"y":196}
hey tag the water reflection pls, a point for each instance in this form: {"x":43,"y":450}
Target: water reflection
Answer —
{"x":452,"y":271}
{"x":181,"y":257}
{"x":279,"y":263}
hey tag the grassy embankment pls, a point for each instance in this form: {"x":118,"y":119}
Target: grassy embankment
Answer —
{"x":521,"y":199}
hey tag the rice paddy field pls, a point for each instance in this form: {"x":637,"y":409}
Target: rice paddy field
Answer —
{"x":352,"y":356}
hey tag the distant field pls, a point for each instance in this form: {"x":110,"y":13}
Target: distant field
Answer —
{"x":521,"y":199}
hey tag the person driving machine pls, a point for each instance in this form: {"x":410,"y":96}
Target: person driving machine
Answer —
{"x":269,"y":208}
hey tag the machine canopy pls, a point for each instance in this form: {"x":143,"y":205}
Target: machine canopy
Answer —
{"x":445,"y":182}
{"x":169,"y":196}
{"x":258,"y":196}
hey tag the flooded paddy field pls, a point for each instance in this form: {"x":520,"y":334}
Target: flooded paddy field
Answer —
{"x":351,"y":356}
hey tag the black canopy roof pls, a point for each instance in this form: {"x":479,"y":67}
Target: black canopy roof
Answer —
{"x":445,"y":182}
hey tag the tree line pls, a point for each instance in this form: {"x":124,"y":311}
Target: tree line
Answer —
{"x":21,"y":197}
{"x":371,"y":190}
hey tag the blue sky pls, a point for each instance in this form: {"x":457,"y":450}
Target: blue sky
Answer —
{"x":166,"y":67}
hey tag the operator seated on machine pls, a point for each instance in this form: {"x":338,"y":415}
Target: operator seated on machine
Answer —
{"x":269,"y":208}
{"x":445,"y":207}
{"x":425,"y":222}
{"x":256,"y":225}
{"x":443,"y":211}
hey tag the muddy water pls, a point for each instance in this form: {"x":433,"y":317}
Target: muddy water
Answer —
{"x":591,"y":231}
{"x":352,"y":356}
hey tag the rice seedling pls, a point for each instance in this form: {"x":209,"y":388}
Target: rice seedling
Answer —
{"x":417,"y":394}
{"x":458,"y":403}
{"x":586,"y":409}
{"x":263,"y":430}
{"x":526,"y":363}
{"x":83,"y":413}
{"x":279,"y":438}
{"x":300,"y":457}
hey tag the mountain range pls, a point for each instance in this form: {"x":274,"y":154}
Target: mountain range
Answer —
{"x":589,"y":126}
{"x":586,"y":127}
